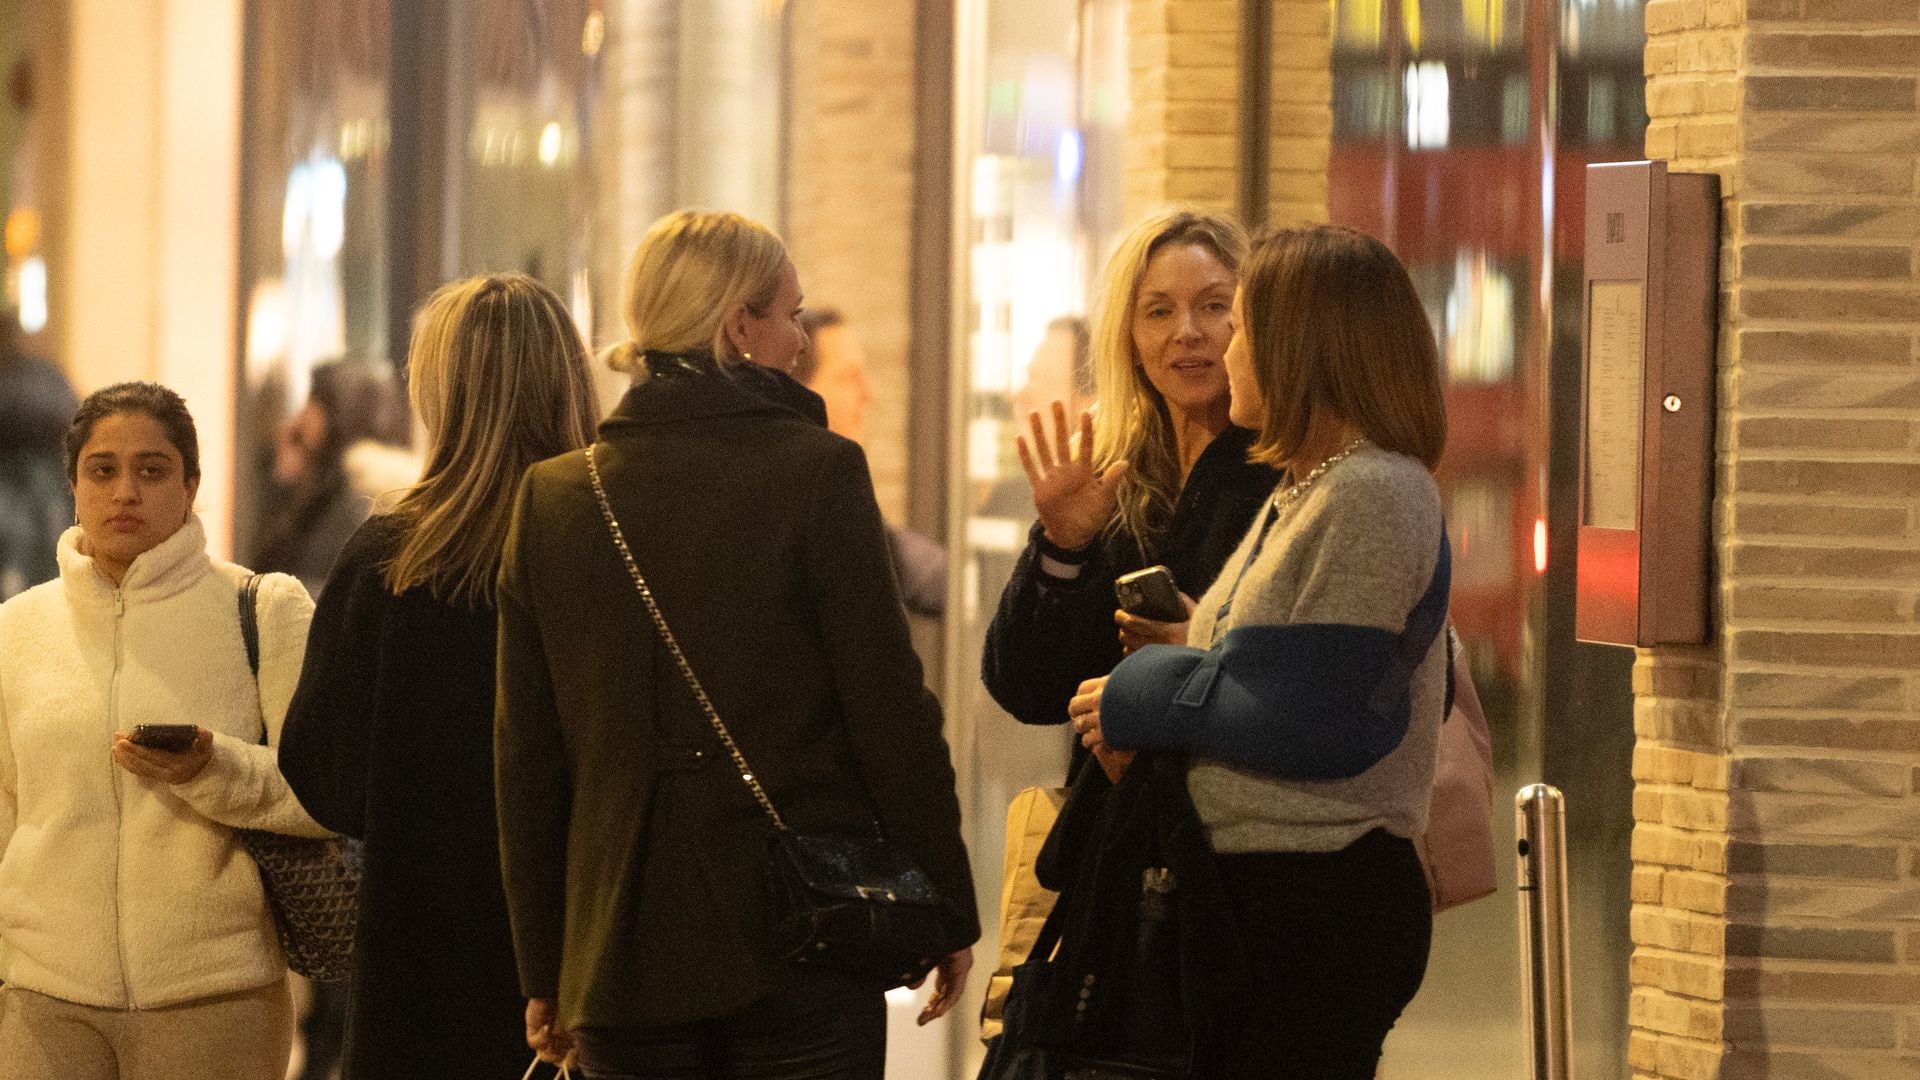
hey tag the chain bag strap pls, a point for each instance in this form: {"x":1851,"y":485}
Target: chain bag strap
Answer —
{"x":673,"y":647}
{"x":857,"y":904}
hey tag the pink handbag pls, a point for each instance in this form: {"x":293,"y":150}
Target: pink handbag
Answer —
{"x":1457,"y":850}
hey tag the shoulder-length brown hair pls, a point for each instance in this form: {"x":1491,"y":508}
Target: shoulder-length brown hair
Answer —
{"x":498,"y":375}
{"x":1334,"y":327}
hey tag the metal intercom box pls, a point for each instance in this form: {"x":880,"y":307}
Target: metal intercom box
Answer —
{"x":1649,"y":318}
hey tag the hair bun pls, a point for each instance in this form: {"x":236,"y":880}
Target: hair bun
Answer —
{"x":622,"y":356}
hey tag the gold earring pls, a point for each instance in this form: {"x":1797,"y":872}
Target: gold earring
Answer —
{"x":747,"y":356}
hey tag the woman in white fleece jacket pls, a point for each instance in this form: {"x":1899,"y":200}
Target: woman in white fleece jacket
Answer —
{"x":135,"y":939}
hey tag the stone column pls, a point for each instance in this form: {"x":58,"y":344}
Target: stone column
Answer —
{"x":1778,"y":827}
{"x":849,"y":208}
{"x":1300,"y":125}
{"x":1183,"y":142}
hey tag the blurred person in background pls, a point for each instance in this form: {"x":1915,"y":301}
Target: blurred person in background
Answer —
{"x":1156,"y":474}
{"x":635,"y":857}
{"x":834,"y":365}
{"x":390,"y":736}
{"x":135,"y":938}
{"x":35,"y":503}
{"x":328,"y":474}
{"x":324,"y":494}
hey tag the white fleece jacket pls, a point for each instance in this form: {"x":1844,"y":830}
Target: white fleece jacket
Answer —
{"x":118,"y":891}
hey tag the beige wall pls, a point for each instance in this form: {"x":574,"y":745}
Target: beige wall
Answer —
{"x":1183,"y":142}
{"x":146,"y":286}
{"x":849,"y":212}
{"x":1778,"y":825}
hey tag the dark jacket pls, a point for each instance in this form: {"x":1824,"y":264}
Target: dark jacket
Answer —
{"x":1149,"y":970}
{"x":390,"y":739}
{"x":633,"y":852}
{"x":36,"y":505}
{"x":1050,"y":635}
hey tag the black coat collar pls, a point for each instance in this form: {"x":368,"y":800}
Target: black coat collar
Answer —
{"x":681,"y":395}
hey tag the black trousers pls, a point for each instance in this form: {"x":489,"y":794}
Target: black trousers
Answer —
{"x":816,"y":1032}
{"x":1338,"y":947}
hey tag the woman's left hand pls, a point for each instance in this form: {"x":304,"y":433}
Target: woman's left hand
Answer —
{"x":1084,"y":711}
{"x":1136,"y":632}
{"x":167,"y":766}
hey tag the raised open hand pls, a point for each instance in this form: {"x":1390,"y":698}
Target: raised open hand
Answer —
{"x":1074,"y":500}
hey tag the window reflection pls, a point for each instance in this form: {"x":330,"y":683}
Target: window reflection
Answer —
{"x":1461,"y":132}
{"x":313,"y":219}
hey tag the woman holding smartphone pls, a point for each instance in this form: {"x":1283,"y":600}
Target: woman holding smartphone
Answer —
{"x":1157,"y":475}
{"x":390,"y":736}
{"x":135,"y":938}
{"x":1310,"y":699}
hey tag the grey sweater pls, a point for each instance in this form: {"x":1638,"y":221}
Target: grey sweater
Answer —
{"x":1358,"y":549}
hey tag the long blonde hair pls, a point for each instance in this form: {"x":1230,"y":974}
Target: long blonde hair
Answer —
{"x":498,"y":374}
{"x":1132,"y":423}
{"x":692,"y":270}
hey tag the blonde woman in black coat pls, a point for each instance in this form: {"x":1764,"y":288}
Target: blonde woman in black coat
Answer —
{"x":634,"y":853}
{"x":390,"y":734}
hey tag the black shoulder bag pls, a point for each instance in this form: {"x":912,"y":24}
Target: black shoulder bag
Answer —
{"x":851,"y":903}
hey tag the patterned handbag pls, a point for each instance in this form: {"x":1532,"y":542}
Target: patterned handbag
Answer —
{"x":312,"y":885}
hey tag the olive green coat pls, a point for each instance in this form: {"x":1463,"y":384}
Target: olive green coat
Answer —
{"x":633,"y":853}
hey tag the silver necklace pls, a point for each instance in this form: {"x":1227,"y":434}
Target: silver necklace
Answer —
{"x":1284,"y":499}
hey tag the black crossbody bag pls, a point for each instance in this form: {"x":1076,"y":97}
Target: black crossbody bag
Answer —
{"x":856,"y":904}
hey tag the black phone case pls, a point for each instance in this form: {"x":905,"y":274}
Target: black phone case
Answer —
{"x":1152,"y":597}
{"x":170,"y":741}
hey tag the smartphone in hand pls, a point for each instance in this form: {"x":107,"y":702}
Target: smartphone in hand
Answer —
{"x":172,"y":738}
{"x":1150,"y":594}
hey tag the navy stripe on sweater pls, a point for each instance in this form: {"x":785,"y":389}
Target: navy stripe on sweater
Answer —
{"x":1305,"y":701}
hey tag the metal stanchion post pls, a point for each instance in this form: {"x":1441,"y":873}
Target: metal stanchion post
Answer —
{"x":1540,"y":817}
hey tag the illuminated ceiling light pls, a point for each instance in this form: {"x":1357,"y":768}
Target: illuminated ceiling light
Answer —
{"x":296,"y":210}
{"x":22,"y":232}
{"x":329,"y":208}
{"x":1429,"y":120}
{"x":1359,"y":21}
{"x":550,"y":144}
{"x":1539,"y":545}
{"x":1068,"y":159}
{"x":594,"y":34}
{"x":266,"y":324}
{"x":1486,"y":21}
{"x":33,"y":295}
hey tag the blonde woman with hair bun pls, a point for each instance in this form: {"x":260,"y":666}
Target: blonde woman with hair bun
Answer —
{"x":390,"y":734}
{"x":1156,"y":474}
{"x":634,"y":854}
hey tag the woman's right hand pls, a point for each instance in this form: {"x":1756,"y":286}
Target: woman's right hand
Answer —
{"x":1074,"y":500}
{"x":552,"y":1042}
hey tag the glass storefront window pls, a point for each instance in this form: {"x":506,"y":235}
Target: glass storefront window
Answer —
{"x":569,"y":127}
{"x":1495,"y":107}
{"x":1040,"y":119}
{"x":313,"y":277}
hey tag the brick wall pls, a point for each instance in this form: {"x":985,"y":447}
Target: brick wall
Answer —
{"x":1184,"y":123}
{"x":849,"y":213}
{"x":1300,"y":126}
{"x":1778,"y":825}
{"x":1183,"y":117}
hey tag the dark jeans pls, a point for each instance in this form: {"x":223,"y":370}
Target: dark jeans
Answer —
{"x":793,"y":1034}
{"x":1338,"y":946}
